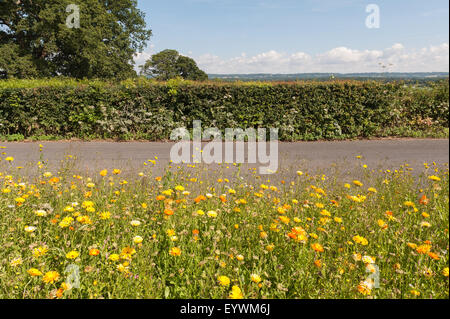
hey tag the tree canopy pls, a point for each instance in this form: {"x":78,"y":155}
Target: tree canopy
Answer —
{"x":169,"y":64}
{"x":35,"y":40}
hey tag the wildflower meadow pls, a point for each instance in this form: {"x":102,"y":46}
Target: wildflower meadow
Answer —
{"x":190,"y":231}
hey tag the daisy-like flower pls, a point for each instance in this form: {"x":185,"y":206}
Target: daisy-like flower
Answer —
{"x":360,"y":240}
{"x":30,"y":229}
{"x":40,"y":213}
{"x":94,"y":252}
{"x":137,"y":239}
{"x":434,"y":178}
{"x":255,"y":278}
{"x":135,"y":223}
{"x":357,"y":183}
{"x":40,"y":251}
{"x":114,"y":257}
{"x":50,"y":277}
{"x":236,"y":293}
{"x":72,"y":254}
{"x":368,"y":260}
{"x":15,"y":262}
{"x":212,"y":214}
{"x":34,"y":272}
{"x":317,"y":247}
{"x":365,"y":287}
{"x":175,"y":251}
{"x":445,"y":272}
{"x":223,"y":280}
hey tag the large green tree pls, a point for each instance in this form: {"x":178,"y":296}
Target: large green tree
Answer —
{"x":36,"y":41}
{"x":169,"y":64}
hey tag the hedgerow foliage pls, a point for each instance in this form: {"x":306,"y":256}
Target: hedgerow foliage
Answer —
{"x":146,"y":109}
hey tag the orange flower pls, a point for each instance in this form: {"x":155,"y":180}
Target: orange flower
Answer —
{"x":317,"y":247}
{"x":433,"y":255}
{"x":223,"y":198}
{"x":318,"y":263}
{"x":175,"y":251}
{"x":53,"y":180}
{"x":199,"y":198}
{"x":423,"y":249}
{"x":195,"y":232}
{"x":94,"y":252}
{"x":160,"y":197}
{"x":424,"y":200}
{"x":168,"y":212}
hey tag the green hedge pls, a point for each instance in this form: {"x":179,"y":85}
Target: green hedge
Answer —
{"x":142,"y":109}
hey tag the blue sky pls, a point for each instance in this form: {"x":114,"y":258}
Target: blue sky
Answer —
{"x":289,"y":36}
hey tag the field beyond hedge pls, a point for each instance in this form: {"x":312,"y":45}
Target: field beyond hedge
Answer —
{"x":150,"y":110}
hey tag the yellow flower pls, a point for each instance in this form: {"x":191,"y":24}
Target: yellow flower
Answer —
{"x":94,"y":252}
{"x":20,"y":200}
{"x":299,"y":173}
{"x":9,"y":159}
{"x":175,"y":251}
{"x":338,"y":219}
{"x":317,"y":247}
{"x":103,"y":172}
{"x":50,"y":277}
{"x":212,"y":214}
{"x":18,"y":261}
{"x":284,"y":219}
{"x":34,"y":272}
{"x":114,"y":257}
{"x":368,"y":260}
{"x":40,"y":213}
{"x":135,"y":223}
{"x":127,"y":252}
{"x":365,"y":287}
{"x":30,"y":229}
{"x":236,"y":293}
{"x":240,"y":257}
{"x":445,"y":272}
{"x":223,"y":280}
{"x":357,"y":183}
{"x":116,"y":171}
{"x":137,"y":239}
{"x":425,"y":224}
{"x":409,"y":204}
{"x":47,"y":174}
{"x":105,"y":215}
{"x":415,"y":292}
{"x":360,"y":240}
{"x":72,"y":254}
{"x":434,"y":178}
{"x":66,"y":222}
{"x":255,"y":278}
{"x":39,"y":251}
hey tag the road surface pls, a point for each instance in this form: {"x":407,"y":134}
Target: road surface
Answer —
{"x":130,"y":156}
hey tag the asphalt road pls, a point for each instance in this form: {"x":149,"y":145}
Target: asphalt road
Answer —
{"x":130,"y":156}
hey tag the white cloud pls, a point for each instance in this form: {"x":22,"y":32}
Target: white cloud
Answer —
{"x":337,"y":60}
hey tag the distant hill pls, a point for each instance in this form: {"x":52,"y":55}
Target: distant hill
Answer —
{"x":391,"y":76}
